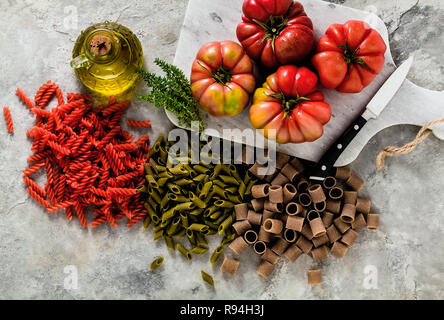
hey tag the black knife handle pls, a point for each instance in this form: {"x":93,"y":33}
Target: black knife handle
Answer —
{"x":325,"y":166}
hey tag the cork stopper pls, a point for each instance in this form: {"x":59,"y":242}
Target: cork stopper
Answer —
{"x":100,"y":45}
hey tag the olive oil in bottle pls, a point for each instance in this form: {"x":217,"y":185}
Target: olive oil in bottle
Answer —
{"x":106,"y":57}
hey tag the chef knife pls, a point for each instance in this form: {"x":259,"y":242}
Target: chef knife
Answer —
{"x":374,"y":108}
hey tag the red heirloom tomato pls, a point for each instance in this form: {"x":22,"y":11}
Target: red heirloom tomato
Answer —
{"x":289,"y":102}
{"x":349,"y":56}
{"x":222,"y":78}
{"x":275,"y":32}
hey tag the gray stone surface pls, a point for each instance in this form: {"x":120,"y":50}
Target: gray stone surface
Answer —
{"x":36,"y":39}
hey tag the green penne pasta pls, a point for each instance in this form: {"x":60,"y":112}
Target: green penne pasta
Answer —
{"x":154,"y":217}
{"x":155,"y":196}
{"x":235,"y":173}
{"x":184,"y":219}
{"x":216,"y":171}
{"x":158,"y":234}
{"x":249,"y":186}
{"x":173,"y":227}
{"x":200,"y":168}
{"x":215,"y":214}
{"x":247,"y":177}
{"x":161,"y":181}
{"x":210,"y":232}
{"x":180,"y":233}
{"x":168,"y":214}
{"x":160,"y":169}
{"x":183,"y":182}
{"x":234,"y":199}
{"x":170,"y":243}
{"x":225,"y":224}
{"x":196,"y":212}
{"x":232,"y":189}
{"x":207,"y":278}
{"x":148,"y":169}
{"x":216,"y":254}
{"x":210,"y":210}
{"x":165,"y":174}
{"x":157,"y":227}
{"x":201,"y":239}
{"x":195,"y":199}
{"x":146,"y":222}
{"x":220,"y":219}
{"x":200,"y":177}
{"x":184,"y":206}
{"x":143,"y":189}
{"x":198,"y":227}
{"x":184,"y":251}
{"x":219,"y":191}
{"x":228,"y":239}
{"x":224,"y":204}
{"x":179,"y":170}
{"x":228,"y":179}
{"x":219,"y":183}
{"x":205,"y":189}
{"x":164,"y":201}
{"x":241,"y":190}
{"x":156,"y":263}
{"x":163,"y":154}
{"x":191,"y":237}
{"x":173,"y":187}
{"x":178,"y":198}
{"x":199,"y":250}
{"x":151,"y":181}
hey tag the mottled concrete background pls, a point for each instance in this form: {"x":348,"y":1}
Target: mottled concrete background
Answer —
{"x":38,"y":251}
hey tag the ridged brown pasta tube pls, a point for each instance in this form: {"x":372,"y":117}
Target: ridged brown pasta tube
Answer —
{"x":229,"y":265}
{"x":349,"y":237}
{"x":275,"y":207}
{"x":281,"y":160}
{"x":264,"y":235}
{"x":333,"y":206}
{"x":355,"y":182}
{"x":314,"y":277}
{"x":316,"y":193}
{"x":304,"y":244}
{"x":238,"y":245}
{"x":270,"y":256}
{"x":339,"y":249}
{"x":302,"y":185}
{"x":267,"y":214}
{"x":284,"y":218}
{"x":295,"y":223}
{"x":257,"y":204}
{"x":276,"y":194}
{"x":279,"y":180}
{"x":259,"y":247}
{"x":336,"y":193}
{"x":333,"y":234}
{"x":359,"y":222}
{"x":241,"y":226}
{"x":320,"y":253}
{"x":254,"y":169}
{"x":290,"y":235}
{"x":350,"y":197}
{"x":316,"y":224}
{"x":327,"y":218}
{"x":343,"y":173}
{"x":341,"y":225}
{"x":265,"y":269}
{"x":290,"y":192}
{"x":319,"y":241}
{"x":241,"y":211}
{"x":305,"y":199}
{"x":254,"y":218}
{"x":280,"y":246}
{"x":292,"y":253}
{"x":320,"y":206}
{"x":363,"y":205}
{"x":373,"y":221}
{"x":293,"y":209}
{"x":250,"y":237}
{"x":260,"y":190}
{"x":306,"y":231}
{"x":329,"y":182}
{"x":290,"y":172}
{"x":297,"y":164}
{"x":348,"y":213}
{"x":273,"y":226}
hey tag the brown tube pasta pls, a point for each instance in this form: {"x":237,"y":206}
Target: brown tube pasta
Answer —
{"x":314,"y":277}
{"x":306,"y":231}
{"x":350,"y":197}
{"x":241,"y":211}
{"x":258,"y":204}
{"x":359,"y":222}
{"x":320,"y":253}
{"x":254,"y":169}
{"x":336,"y":193}
{"x":290,"y":172}
{"x":280,"y":246}
{"x":264,"y":235}
{"x":348,"y":213}
{"x":302,"y":185}
{"x":333,"y":206}
{"x":339,"y":249}
{"x":276,"y":194}
{"x":349,"y":237}
{"x":297,"y":164}
{"x":293,"y":209}
{"x":319,"y":241}
{"x":260,"y":190}
{"x":265,"y":269}
{"x":254,"y":218}
{"x":333,"y":234}
{"x":241,"y":226}
{"x":341,"y":225}
{"x":270,"y":256}
{"x":259,"y":247}
{"x":275,"y":207}
{"x":279,"y":180}
{"x":343,"y":173}
{"x":373,"y":221}
{"x":290,"y":235}
{"x":292,"y":253}
{"x":238,"y":245}
{"x":305,"y":199}
{"x":355,"y":182}
{"x":267,"y":215}
{"x":281,"y":160}
{"x":290,"y":192}
{"x":363,"y":205}
{"x":320,"y":206}
{"x":304,"y":244}
{"x":329,"y":182}
{"x":316,"y":193}
{"x":284,"y":218}
{"x":273,"y":226}
{"x":316,"y":224}
{"x":250,"y":237}
{"x":294,"y":223}
{"x":269,"y":178}
{"x":229,"y":265}
{"x":327,"y":218}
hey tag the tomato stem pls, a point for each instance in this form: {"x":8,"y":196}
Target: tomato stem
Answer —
{"x":273,"y":28}
{"x":350,"y":55}
{"x":221,"y":75}
{"x":288,"y":105}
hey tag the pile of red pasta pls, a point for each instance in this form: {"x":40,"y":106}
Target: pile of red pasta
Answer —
{"x":88,"y":158}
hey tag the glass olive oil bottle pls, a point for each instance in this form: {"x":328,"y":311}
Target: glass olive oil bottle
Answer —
{"x":106,"y":57}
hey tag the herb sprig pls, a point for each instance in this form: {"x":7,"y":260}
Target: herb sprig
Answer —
{"x":172,"y":92}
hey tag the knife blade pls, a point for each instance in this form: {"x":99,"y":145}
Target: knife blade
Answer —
{"x":373,"y":109}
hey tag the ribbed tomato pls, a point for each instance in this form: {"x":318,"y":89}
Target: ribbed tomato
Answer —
{"x":275,"y":32}
{"x":289,"y":106}
{"x":222,"y":78}
{"x":349,"y":56}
